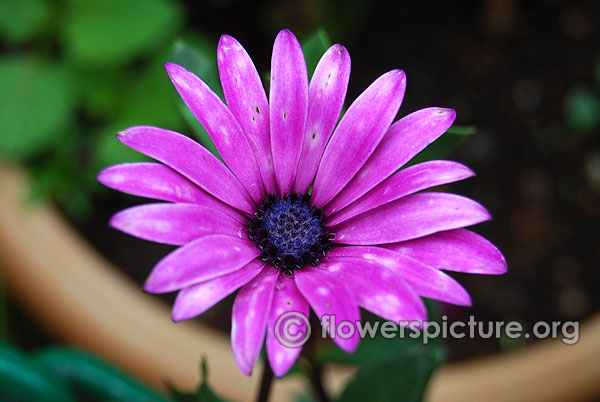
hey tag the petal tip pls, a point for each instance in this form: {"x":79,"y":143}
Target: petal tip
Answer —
{"x":171,"y":66}
{"x":226,"y":42}
{"x":104,"y":176}
{"x":151,"y":286}
{"x":178,"y":316}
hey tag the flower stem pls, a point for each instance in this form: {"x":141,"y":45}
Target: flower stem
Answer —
{"x":317,"y":383}
{"x":265,"y":383}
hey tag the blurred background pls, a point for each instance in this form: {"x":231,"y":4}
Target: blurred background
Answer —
{"x":523,"y":76}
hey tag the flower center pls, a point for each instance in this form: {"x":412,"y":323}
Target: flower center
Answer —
{"x":290,"y":232}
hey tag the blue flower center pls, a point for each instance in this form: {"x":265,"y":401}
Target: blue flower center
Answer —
{"x":290,"y":232}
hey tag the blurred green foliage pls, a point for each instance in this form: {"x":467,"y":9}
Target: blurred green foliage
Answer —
{"x":59,"y":374}
{"x":202,"y":394}
{"x":390,"y":369}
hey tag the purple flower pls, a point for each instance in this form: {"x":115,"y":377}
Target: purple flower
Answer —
{"x":305,"y":213}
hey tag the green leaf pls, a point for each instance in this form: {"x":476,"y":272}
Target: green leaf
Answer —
{"x":95,"y":376}
{"x":102,"y":91}
{"x":582,"y":109}
{"x":26,"y":380}
{"x":113,"y":32}
{"x":37,"y":101}
{"x":202,"y":394}
{"x":149,"y":98}
{"x":400,"y":376}
{"x":444,"y":145}
{"x":314,"y":46}
{"x":20,"y":20}
{"x":61,"y":176}
{"x":198,"y":55}
{"x":391,"y":369}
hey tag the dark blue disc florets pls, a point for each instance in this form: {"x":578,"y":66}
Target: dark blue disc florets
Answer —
{"x":290,"y":232}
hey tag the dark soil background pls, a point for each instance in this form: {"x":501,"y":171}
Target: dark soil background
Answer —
{"x":507,"y":67}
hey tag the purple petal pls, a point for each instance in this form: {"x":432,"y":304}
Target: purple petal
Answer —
{"x":405,"y":182}
{"x":247,"y":101}
{"x":151,"y":180}
{"x":455,"y":250}
{"x":287,"y":299}
{"x":221,"y":126}
{"x":405,"y":138}
{"x":200,"y":260}
{"x":425,"y":280}
{"x":288,"y":107}
{"x":155,"y":180}
{"x":191,"y":159}
{"x":249,"y":318}
{"x":377,"y":288}
{"x":329,"y":297}
{"x":358,"y":134}
{"x":411,"y":217}
{"x":196,"y":299}
{"x":326,"y":96}
{"x":176,"y":224}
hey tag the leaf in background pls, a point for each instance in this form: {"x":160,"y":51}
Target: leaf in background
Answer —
{"x":113,"y":32}
{"x":199,"y":55}
{"x":314,"y":46}
{"x":26,"y":380}
{"x":94,"y":376}
{"x":146,"y":98}
{"x":149,"y":98}
{"x":444,"y":145}
{"x":37,"y":106}
{"x":20,"y":20}
{"x":389,"y":369}
{"x":102,"y":91}
{"x":202,"y":394}
{"x":582,"y":109}
{"x":401,"y":376}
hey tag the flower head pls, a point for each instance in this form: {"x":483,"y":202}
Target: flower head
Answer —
{"x":306,"y":212}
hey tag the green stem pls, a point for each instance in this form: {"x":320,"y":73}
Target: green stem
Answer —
{"x":265,"y":384}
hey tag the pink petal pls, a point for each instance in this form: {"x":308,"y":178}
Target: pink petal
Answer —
{"x":411,"y":217}
{"x":196,"y":299}
{"x":326,"y":96}
{"x":288,"y":107}
{"x":151,"y":180}
{"x":425,"y":280}
{"x":191,"y":159}
{"x":358,"y":134}
{"x":200,"y":260}
{"x":377,"y":288}
{"x":405,"y":182}
{"x":287,"y":299}
{"x":329,"y":297}
{"x":221,"y":126}
{"x":247,"y":101}
{"x":249,"y":318}
{"x":176,"y":224}
{"x":455,"y":250}
{"x":405,"y":138}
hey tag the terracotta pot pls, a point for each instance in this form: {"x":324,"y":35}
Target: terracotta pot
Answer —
{"x":83,"y":300}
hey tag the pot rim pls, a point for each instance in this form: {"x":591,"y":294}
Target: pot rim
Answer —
{"x":84,"y":300}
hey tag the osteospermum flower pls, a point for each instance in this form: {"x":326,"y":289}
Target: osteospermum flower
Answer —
{"x":304,"y":213}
